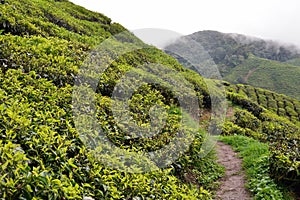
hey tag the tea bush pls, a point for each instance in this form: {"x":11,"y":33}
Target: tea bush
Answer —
{"x":43,"y":44}
{"x":42,"y":156}
{"x":280,"y":104}
{"x":281,"y":132}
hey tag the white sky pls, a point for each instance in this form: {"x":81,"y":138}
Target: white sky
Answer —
{"x":268,"y":19}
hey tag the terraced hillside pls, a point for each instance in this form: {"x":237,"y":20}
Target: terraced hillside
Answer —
{"x":46,"y":45}
{"x":280,"y":104}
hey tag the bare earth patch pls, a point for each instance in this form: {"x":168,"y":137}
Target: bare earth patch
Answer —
{"x":249,"y":74}
{"x":233,"y":183}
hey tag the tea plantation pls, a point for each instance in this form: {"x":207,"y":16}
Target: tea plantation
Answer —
{"x":44,"y":45}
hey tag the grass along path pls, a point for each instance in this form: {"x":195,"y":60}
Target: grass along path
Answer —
{"x":233,"y":183}
{"x":255,"y":161}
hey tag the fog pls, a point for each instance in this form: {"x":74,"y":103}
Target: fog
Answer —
{"x":268,"y":19}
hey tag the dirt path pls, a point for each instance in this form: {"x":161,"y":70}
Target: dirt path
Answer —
{"x":233,"y":183}
{"x":249,"y":74}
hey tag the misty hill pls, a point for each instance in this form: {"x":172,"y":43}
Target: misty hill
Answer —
{"x":50,"y":55}
{"x":295,"y":61}
{"x":229,"y":50}
{"x":254,"y":61}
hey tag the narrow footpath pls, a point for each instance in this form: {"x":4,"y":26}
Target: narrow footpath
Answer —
{"x":233,"y":183}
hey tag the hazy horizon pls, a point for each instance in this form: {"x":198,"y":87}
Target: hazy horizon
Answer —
{"x":269,"y":19}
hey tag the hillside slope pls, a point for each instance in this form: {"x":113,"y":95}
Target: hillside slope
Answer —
{"x":46,"y":45}
{"x":253,"y":61}
{"x":272,"y":75}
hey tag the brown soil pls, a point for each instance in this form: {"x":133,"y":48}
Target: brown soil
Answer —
{"x":233,"y":183}
{"x":249,"y":74}
{"x":229,"y":112}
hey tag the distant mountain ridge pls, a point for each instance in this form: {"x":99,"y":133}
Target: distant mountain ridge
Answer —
{"x":238,"y":55}
{"x":240,"y":45}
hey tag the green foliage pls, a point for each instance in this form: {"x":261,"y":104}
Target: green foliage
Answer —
{"x":50,"y":18}
{"x":42,"y":156}
{"x":42,"y":46}
{"x":280,"y":104}
{"x":192,"y":168}
{"x":272,"y":75}
{"x":281,"y":132}
{"x":295,"y":61}
{"x":246,"y":119}
{"x":33,"y":121}
{"x":284,"y":139}
{"x":51,"y":58}
{"x":245,"y":103}
{"x":256,"y":162}
{"x":230,"y":128}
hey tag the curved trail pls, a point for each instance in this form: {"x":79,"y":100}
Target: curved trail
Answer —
{"x":249,"y":74}
{"x":233,"y":183}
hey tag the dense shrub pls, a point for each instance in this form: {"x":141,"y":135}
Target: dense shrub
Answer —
{"x":245,"y":103}
{"x":284,"y":143}
{"x":42,"y":46}
{"x":230,"y":128}
{"x":280,"y":104}
{"x":281,"y":132}
{"x":246,"y":119}
{"x":42,"y":156}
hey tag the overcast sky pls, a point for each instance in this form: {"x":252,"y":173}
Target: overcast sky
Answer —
{"x":268,"y":19}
